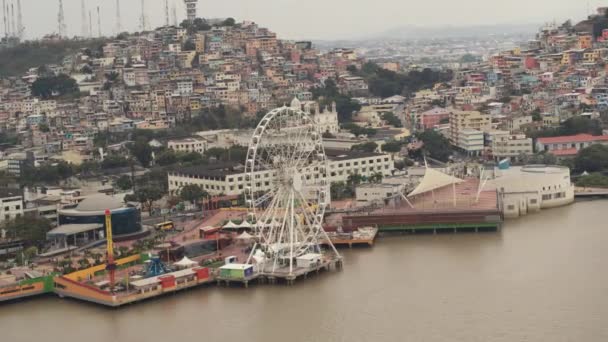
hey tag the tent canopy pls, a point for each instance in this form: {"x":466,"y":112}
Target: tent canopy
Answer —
{"x":185,"y":262}
{"x":245,"y":236}
{"x":432,"y":180}
{"x":230,"y":224}
{"x":244,"y":224}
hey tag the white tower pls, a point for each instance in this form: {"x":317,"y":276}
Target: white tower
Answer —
{"x":191,"y":9}
{"x":83,"y":20}
{"x":118,"y":24}
{"x":61,"y":28}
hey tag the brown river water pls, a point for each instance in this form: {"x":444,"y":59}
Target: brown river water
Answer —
{"x":542,"y":278}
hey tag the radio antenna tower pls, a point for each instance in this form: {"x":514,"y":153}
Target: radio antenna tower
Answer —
{"x":5,"y":21}
{"x":118,"y":25}
{"x":143,"y":16}
{"x":90,"y":25}
{"x":83,"y":19}
{"x":13,"y":20}
{"x":20,"y":27}
{"x":98,"y":22}
{"x":61,"y":28}
{"x":166,"y":12}
{"x":174,"y":9}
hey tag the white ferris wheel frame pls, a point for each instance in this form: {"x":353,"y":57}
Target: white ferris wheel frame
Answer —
{"x":287,"y":223}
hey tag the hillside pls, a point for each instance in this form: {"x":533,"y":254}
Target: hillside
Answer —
{"x":16,"y":60}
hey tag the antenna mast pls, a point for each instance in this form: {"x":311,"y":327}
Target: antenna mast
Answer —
{"x":143,"y":16}
{"x":118,"y":25}
{"x":98,"y":22}
{"x":61,"y":28}
{"x":13,"y":20}
{"x":166,"y":12}
{"x":20,"y":27}
{"x":90,"y":25}
{"x":83,"y":19}
{"x":174,"y":8}
{"x":4,"y":10}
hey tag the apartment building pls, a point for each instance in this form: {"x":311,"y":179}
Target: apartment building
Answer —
{"x":230,"y":179}
{"x":506,"y":145}
{"x":188,"y":145}
{"x":11,"y":204}
{"x":468,"y":120}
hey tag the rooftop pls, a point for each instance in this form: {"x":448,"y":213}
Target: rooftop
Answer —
{"x":100,"y":202}
{"x":573,"y":139}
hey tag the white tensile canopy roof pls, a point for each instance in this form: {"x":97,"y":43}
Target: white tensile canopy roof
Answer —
{"x":230,"y":224}
{"x":244,"y":224}
{"x":185,"y":262}
{"x":432,"y":180}
{"x":245,"y":236}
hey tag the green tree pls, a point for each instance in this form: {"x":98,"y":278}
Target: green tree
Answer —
{"x":594,"y":180}
{"x":354,"y":179}
{"x":124,"y":183}
{"x":189,"y":45}
{"x":46,"y":87}
{"x":192,"y":193}
{"x":142,"y":151}
{"x":43,"y":128}
{"x":436,"y":145}
{"x":592,"y":159}
{"x":358,"y":130}
{"x":32,"y":230}
{"x":376,"y":177}
{"x":146,"y":196}
{"x":167,"y":157}
{"x":542,"y":158}
{"x":229,"y":22}
{"x":369,"y":146}
{"x":114,"y":161}
{"x":340,"y":190}
{"x":329,"y":93}
{"x":392,"y":146}
{"x":391,"y":119}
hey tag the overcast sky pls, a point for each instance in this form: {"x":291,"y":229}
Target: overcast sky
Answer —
{"x":312,"y":19}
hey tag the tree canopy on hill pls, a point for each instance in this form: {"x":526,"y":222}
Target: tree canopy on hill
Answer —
{"x":386,"y":83}
{"x":572,"y":126}
{"x":16,"y":60}
{"x":329,"y":93}
{"x":47,"y":87}
{"x":436,"y":145}
{"x":592,"y":159}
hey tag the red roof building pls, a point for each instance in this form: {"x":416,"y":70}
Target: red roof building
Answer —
{"x":570,"y":143}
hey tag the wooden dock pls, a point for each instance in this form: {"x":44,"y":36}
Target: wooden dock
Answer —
{"x":360,"y":237}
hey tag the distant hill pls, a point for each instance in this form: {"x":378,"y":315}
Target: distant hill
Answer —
{"x":16,"y":60}
{"x":419,"y":32}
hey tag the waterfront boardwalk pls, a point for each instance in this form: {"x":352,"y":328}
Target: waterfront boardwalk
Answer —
{"x":591,"y":194}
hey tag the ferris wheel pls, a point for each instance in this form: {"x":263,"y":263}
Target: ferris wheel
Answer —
{"x":287,"y":188}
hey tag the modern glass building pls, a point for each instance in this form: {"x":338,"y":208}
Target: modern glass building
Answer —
{"x":125,"y":220}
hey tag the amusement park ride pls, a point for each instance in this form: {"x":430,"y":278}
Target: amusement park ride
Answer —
{"x":287,"y":214}
{"x":110,"y":264}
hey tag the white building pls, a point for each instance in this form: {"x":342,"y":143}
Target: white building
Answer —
{"x":367,"y":194}
{"x":471,"y":141}
{"x":11,"y":205}
{"x":532,"y":188}
{"x":188,"y":145}
{"x":327,"y":120}
{"x":229,"y":179}
{"x":506,"y":145}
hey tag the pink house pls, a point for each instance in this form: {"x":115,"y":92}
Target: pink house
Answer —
{"x":433,"y":117}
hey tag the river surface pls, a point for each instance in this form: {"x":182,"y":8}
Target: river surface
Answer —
{"x":543,"y":278}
